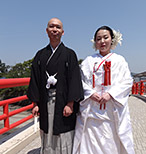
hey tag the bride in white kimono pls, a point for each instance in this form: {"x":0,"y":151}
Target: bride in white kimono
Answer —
{"x":103,"y":125}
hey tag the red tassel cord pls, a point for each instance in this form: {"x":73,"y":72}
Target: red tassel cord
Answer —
{"x":93,"y":80}
{"x":107,"y":73}
{"x":104,"y":106}
{"x":93,"y":75}
{"x":100,"y":107}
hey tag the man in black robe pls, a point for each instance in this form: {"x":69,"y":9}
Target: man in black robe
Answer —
{"x":55,"y":69}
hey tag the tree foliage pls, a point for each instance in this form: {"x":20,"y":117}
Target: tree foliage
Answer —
{"x":80,"y":61}
{"x":20,"y":70}
{"x":3,"y":69}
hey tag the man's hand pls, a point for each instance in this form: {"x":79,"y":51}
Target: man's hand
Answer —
{"x":68,"y":109}
{"x":35,"y":110}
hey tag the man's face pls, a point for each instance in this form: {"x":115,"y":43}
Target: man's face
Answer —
{"x":55,"y":29}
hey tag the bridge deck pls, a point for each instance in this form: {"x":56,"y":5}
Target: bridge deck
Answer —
{"x":137,"y":108}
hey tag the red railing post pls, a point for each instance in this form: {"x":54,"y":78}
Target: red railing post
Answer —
{"x":6,"y":112}
{"x":141,"y":88}
{"x":134,"y":88}
{"x":136,"y":92}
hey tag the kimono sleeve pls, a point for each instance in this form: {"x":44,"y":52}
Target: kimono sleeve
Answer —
{"x":86,"y":78}
{"x":33,"y":89}
{"x":75,"y":89}
{"x":122,"y":83}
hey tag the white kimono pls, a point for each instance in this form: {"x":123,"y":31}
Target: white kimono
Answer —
{"x":106,"y":131}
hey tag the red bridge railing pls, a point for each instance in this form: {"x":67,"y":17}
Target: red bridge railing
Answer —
{"x":139,"y":87}
{"x":7,"y":83}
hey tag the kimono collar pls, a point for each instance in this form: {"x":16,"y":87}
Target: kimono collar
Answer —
{"x":53,"y":50}
{"x":103,"y":56}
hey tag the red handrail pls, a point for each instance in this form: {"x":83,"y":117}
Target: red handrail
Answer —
{"x":13,"y":82}
{"x":7,"y":83}
{"x":139,"y":87}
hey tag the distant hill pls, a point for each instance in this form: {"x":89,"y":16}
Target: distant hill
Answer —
{"x":133,"y":74}
{"x":139,"y":76}
{"x":143,"y":74}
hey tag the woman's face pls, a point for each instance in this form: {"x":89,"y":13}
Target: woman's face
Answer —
{"x":103,"y":42}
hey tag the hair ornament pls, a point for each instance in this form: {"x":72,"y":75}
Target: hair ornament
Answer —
{"x":94,"y":47}
{"x":116,"y":39}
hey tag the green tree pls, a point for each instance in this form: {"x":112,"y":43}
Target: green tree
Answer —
{"x":20,"y":70}
{"x":80,"y":61}
{"x":3,"y":69}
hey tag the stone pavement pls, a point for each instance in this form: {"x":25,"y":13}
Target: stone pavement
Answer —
{"x":32,"y":148}
{"x":137,"y":108}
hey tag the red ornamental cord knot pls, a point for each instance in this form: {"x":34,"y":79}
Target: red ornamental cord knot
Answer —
{"x":107,"y":73}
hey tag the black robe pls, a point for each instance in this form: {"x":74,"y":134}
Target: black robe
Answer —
{"x":68,"y":88}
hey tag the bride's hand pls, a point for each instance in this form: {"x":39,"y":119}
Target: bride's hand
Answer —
{"x":95,"y":97}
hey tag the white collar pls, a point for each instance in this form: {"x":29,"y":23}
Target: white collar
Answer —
{"x":53,"y":50}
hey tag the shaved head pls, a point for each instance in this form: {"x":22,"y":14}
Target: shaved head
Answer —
{"x":55,"y":31}
{"x":55,"y":19}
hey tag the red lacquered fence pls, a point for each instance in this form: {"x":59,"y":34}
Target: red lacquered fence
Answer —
{"x":7,"y":83}
{"x":139,"y":88}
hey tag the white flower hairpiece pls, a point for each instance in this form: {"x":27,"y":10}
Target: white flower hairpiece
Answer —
{"x":94,"y":47}
{"x":117,"y":39}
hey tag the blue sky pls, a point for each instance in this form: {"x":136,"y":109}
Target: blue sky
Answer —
{"x":23,"y":27}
